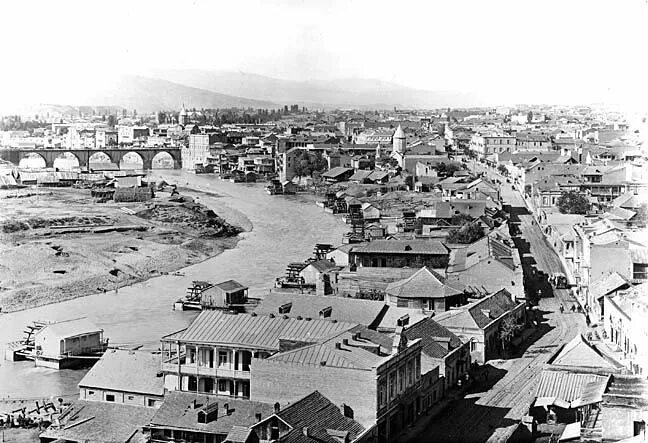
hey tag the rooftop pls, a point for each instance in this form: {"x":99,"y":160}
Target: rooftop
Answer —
{"x":422,"y":284}
{"x":431,"y":247}
{"x":257,"y":331}
{"x":179,"y":411}
{"x":351,"y":310}
{"x":72,"y":328}
{"x":92,"y":421}
{"x":317,"y":414}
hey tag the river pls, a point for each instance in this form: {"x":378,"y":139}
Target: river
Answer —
{"x":281,"y":229}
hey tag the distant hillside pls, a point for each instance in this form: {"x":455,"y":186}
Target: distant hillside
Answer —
{"x":149,"y":95}
{"x":360,"y":93}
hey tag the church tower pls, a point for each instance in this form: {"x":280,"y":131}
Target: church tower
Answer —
{"x":183,"y":118}
{"x":398,"y":143}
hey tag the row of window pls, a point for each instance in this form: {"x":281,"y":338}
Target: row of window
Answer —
{"x":393,"y":384}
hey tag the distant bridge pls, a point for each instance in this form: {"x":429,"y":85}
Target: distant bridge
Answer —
{"x":83,"y":155}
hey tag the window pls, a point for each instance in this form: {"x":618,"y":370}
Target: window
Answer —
{"x":131,"y":397}
{"x":110,"y":397}
{"x":224,"y":386}
{"x":223,"y":358}
{"x":382,"y":393}
{"x":410,"y":373}
{"x":401,"y":379}
{"x":150,"y":403}
{"x":392,"y":385}
{"x":90,"y":392}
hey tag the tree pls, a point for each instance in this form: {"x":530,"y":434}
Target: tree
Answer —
{"x":641,"y":219}
{"x":572,"y":202}
{"x":508,"y":329}
{"x":502,"y":170}
{"x":306,"y":163}
{"x":468,"y":233}
{"x":460,"y":219}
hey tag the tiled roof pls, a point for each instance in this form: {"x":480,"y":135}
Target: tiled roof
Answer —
{"x":178,"y":412}
{"x":497,"y":305}
{"x":432,"y":247}
{"x":93,"y":421}
{"x":423,"y":284}
{"x":320,"y":416}
{"x":126,"y":371}
{"x":567,"y":386}
{"x":351,"y":310}
{"x":257,"y":331}
{"x":428,"y":331}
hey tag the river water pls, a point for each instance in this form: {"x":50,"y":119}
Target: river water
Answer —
{"x":281,"y":229}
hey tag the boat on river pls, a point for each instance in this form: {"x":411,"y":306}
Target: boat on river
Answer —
{"x":59,"y":345}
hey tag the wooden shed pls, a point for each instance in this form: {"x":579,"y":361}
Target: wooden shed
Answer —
{"x":223,"y":295}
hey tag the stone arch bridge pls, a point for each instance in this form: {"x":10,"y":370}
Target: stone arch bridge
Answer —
{"x":83,"y":155}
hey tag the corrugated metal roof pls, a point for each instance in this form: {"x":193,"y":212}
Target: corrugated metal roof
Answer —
{"x":257,"y":331}
{"x":351,"y":356}
{"x":567,"y":386}
{"x":352,"y":310}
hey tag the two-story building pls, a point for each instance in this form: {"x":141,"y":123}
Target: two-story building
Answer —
{"x":213,"y":355}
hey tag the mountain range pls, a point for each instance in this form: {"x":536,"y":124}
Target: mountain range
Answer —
{"x":170,"y":89}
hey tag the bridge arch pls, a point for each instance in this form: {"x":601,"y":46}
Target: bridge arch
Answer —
{"x":64,"y":160}
{"x":100,"y":157}
{"x":132,"y":160}
{"x":164,"y":160}
{"x":30,"y":160}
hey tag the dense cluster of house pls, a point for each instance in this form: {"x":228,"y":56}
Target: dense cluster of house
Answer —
{"x":361,"y":340}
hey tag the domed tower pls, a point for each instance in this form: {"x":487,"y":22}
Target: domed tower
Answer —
{"x":398,"y":140}
{"x":183,"y":118}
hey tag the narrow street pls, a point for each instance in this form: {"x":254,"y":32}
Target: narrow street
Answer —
{"x":492,"y":409}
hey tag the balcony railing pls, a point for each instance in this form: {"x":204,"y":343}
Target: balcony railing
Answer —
{"x":190,"y":369}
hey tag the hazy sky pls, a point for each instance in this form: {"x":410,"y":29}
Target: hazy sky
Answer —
{"x":585,"y":49}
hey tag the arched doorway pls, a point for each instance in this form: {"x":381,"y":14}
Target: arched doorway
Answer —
{"x":66,"y":161}
{"x":32,"y":161}
{"x":162,"y":160}
{"x":131,"y":160}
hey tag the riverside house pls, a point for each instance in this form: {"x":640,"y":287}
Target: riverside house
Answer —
{"x":401,"y":253}
{"x":213,"y":355}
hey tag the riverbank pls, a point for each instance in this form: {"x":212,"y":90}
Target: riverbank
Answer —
{"x":60,"y":245}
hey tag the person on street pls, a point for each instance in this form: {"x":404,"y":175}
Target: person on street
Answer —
{"x":573,"y":308}
{"x":562,"y":309}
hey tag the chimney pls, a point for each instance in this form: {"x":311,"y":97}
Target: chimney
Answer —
{"x":346,"y":410}
{"x":396,"y":344}
{"x":403,"y":321}
{"x":345,"y":341}
{"x":277,"y":408}
{"x":258,"y":417}
{"x":305,"y":431}
{"x":486,"y":312}
{"x":355,"y":336}
{"x":338,"y":345}
{"x":443,"y":341}
{"x":326,"y":312}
